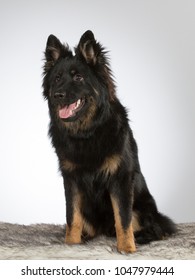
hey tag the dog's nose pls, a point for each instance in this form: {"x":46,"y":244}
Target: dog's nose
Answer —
{"x":59,"y":95}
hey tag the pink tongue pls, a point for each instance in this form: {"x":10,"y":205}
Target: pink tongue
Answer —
{"x":67,"y":111}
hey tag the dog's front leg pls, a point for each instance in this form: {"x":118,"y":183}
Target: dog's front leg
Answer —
{"x":74,"y":217}
{"x":122,"y":209}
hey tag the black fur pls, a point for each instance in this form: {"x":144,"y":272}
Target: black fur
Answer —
{"x":97,"y":153}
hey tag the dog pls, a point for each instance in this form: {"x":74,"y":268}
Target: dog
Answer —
{"x":105,"y":190}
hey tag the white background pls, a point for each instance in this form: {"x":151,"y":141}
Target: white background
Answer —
{"x":152,"y":49}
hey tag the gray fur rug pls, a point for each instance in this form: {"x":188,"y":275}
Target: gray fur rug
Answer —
{"x":45,"y":241}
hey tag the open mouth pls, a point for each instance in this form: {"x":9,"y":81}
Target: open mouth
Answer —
{"x":72,"y":109}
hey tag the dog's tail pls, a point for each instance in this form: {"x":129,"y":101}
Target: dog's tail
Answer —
{"x":155,"y":226}
{"x":167,"y":226}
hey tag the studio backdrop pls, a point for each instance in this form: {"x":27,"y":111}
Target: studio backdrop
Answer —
{"x":151,"y":47}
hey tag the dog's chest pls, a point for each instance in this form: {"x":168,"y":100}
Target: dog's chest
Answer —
{"x":89,"y":156}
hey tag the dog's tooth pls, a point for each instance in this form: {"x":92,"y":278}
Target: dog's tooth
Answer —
{"x":78,"y":103}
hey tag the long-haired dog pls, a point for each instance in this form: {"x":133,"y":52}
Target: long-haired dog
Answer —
{"x":105,"y":190}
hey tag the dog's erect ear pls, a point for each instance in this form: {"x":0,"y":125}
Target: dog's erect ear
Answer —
{"x":94,"y":54}
{"x":89,"y":48}
{"x":53,"y":49}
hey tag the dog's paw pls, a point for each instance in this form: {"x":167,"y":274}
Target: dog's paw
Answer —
{"x":126,"y":249}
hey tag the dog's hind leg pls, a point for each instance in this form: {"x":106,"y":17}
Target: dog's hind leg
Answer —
{"x":153,"y":224}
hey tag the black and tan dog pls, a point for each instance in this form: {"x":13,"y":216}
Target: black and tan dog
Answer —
{"x":105,"y":190}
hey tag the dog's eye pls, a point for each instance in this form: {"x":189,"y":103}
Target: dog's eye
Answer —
{"x":58,"y":77}
{"x":78,"y":78}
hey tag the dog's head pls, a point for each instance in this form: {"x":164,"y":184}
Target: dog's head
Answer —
{"x":77,"y":86}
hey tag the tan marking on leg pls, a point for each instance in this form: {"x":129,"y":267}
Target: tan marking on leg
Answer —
{"x":88,"y":229}
{"x":135,"y":222}
{"x":125,"y":238}
{"x":74,"y":231}
{"x":111,"y":164}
